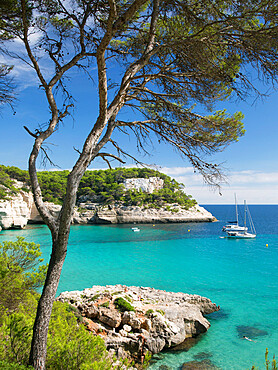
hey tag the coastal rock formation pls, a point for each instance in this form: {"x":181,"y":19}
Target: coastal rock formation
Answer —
{"x":15,"y":212}
{"x":20,"y":209}
{"x":35,"y":216}
{"x":133,"y":320}
{"x":148,"y":185}
{"x":113,"y":214}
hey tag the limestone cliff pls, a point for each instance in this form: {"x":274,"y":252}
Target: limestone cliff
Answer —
{"x":20,"y":209}
{"x":121,"y":214}
{"x":146,"y":185}
{"x":16,"y":211}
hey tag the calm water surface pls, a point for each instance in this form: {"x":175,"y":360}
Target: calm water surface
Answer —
{"x":239,"y":275}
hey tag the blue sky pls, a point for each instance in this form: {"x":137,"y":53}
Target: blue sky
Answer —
{"x":250,"y":165}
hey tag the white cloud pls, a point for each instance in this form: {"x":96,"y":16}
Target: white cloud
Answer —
{"x":176,"y":171}
{"x":256,"y":187}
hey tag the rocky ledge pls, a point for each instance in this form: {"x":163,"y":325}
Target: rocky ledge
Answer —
{"x":120,"y":214}
{"x":21,"y":209}
{"x":136,"y":320}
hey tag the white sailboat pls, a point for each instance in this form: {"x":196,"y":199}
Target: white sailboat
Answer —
{"x":233,"y":225}
{"x":244,"y":234}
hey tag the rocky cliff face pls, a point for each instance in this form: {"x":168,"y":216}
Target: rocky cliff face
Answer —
{"x":146,"y":185}
{"x":20,"y":210}
{"x":149,"y":320}
{"x":90,"y":213}
{"x":15,"y":212}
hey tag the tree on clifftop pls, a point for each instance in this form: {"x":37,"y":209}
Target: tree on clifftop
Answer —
{"x":176,"y":58}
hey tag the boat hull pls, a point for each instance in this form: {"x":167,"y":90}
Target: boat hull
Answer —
{"x":237,"y":235}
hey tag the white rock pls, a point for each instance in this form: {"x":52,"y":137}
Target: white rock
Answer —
{"x":146,"y":185}
{"x":127,"y":328}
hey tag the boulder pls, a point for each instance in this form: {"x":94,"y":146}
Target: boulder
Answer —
{"x":91,"y":312}
{"x":109,"y":317}
{"x":155,"y":344}
{"x":131,"y":319}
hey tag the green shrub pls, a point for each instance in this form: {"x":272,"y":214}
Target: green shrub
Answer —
{"x":122,"y":305}
{"x":161,"y":312}
{"x":105,"y":304}
{"x":20,"y":273}
{"x":105,"y":186}
{"x":71,"y":346}
{"x":273,"y":363}
{"x":95,"y":297}
{"x":4,"y":365}
{"x":150,"y":311}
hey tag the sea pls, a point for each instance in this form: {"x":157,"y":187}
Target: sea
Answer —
{"x":239,"y":275}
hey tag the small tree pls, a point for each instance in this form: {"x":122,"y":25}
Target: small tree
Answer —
{"x":19,"y":273}
{"x":174,"y":57}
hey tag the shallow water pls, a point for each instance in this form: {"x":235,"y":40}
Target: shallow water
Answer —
{"x":239,"y":275}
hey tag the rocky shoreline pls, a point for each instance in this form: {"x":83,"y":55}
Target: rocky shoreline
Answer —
{"x":20,"y":210}
{"x":134,"y":321}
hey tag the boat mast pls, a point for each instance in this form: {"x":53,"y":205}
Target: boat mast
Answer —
{"x":236,"y":211}
{"x":245,"y":210}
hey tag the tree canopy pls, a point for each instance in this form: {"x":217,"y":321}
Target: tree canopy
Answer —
{"x":100,"y":186}
{"x":177,"y":58}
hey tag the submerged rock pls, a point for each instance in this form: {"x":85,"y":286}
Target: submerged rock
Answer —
{"x":139,"y":319}
{"x":199,"y":365}
{"x":250,"y":331}
{"x":186,"y":344}
{"x":202,"y":355}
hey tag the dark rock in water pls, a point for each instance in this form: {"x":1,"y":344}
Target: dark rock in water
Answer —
{"x":217,"y":315}
{"x":164,"y":367}
{"x":202,"y":355}
{"x":250,"y":331}
{"x":199,"y":365}
{"x":186,"y":344}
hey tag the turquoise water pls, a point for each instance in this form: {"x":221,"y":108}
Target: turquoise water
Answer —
{"x":239,"y":275}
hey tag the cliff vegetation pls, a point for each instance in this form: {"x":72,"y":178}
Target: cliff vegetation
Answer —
{"x":102,"y":186}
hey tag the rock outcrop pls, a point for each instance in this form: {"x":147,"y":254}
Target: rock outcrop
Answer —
{"x":15,"y":212}
{"x":140,"y":214}
{"x":133,"y":320}
{"x":20,"y":209}
{"x":148,"y":185}
{"x":113,"y":214}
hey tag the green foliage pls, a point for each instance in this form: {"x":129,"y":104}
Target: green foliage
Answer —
{"x":105,"y":304}
{"x":19,"y":272}
{"x":53,"y":185}
{"x":4,"y":365}
{"x":103,"y":186}
{"x":70,"y":345}
{"x":161,"y":312}
{"x":7,"y":175}
{"x":147,"y":359}
{"x":149,"y":312}
{"x":273,"y":363}
{"x":95,"y":297}
{"x":106,"y":186}
{"x":122,"y":305}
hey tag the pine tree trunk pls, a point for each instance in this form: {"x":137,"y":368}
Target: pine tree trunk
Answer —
{"x":38,"y":352}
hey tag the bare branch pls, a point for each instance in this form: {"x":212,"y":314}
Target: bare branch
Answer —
{"x":104,"y":155}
